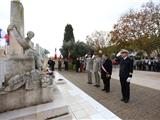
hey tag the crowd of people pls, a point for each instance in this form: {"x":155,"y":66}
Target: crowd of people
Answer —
{"x":147,"y":65}
{"x":100,"y":65}
{"x":52,"y":64}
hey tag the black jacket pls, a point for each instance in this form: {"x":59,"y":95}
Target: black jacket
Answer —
{"x":126,"y":68}
{"x":108,"y":66}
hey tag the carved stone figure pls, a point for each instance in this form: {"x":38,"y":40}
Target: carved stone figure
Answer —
{"x":21,"y":77}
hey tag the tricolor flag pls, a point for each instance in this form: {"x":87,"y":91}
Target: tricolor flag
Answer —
{"x":2,"y":34}
{"x":55,"y":55}
{"x":4,"y":38}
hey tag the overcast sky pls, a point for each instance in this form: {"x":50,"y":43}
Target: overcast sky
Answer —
{"x":48,"y":18}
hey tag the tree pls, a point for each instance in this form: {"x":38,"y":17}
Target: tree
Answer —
{"x":80,"y":49}
{"x":138,"y":30}
{"x":98,"y":39}
{"x":112,"y":49}
{"x":68,"y":41}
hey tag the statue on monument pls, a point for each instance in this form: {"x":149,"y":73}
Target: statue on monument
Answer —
{"x":21,"y":73}
{"x":24,"y":43}
{"x":15,"y":81}
{"x":18,"y":80}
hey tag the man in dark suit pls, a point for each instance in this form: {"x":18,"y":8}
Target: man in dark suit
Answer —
{"x":106,"y":72}
{"x":51,"y":64}
{"x":125,"y":74}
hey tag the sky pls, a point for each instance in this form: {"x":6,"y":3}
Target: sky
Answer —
{"x":48,"y":18}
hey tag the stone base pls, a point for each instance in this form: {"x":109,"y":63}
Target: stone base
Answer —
{"x":56,"y":110}
{"x":58,"y":113}
{"x":24,"y":98}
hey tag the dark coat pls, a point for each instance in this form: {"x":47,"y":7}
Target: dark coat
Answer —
{"x":126,"y":68}
{"x":51,"y":64}
{"x":108,"y":66}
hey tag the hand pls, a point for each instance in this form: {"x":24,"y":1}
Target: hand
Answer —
{"x":108,"y":75}
{"x":129,"y":79}
{"x":118,"y":54}
{"x":99,"y":72}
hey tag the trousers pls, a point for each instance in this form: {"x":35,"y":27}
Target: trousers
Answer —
{"x":125,"y":88}
{"x":106,"y":82}
{"x":89,"y":76}
{"x":97,"y":78}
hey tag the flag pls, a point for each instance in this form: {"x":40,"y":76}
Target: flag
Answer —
{"x":2,"y":34}
{"x":6,"y":37}
{"x":60,"y":57}
{"x":55,"y":56}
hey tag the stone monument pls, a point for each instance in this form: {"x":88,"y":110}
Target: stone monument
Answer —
{"x":23,"y":86}
{"x":17,"y":18}
{"x":22,"y":83}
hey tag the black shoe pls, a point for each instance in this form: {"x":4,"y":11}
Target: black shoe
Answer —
{"x":103,"y":89}
{"x":89,"y":83}
{"x":95,"y":85}
{"x":122,"y":99}
{"x":107,"y":91}
{"x":126,"y":101}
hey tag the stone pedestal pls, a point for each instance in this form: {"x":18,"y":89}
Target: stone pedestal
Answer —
{"x":57,"y":109}
{"x":24,"y":98}
{"x":14,"y":65}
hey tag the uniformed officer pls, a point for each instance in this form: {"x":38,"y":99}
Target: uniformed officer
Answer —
{"x":125,"y":74}
{"x":96,"y":68}
{"x":89,"y":67}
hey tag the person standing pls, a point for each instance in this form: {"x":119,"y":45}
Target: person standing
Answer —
{"x":81,"y":65}
{"x":106,"y":72}
{"x":59,"y":64}
{"x":89,"y":67}
{"x":77,"y":64}
{"x":125,"y":74}
{"x":51,"y":64}
{"x":96,"y":68}
{"x":66,"y":64}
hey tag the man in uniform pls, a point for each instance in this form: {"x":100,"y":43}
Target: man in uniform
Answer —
{"x":89,"y":67}
{"x":96,"y":68}
{"x":125,"y":74}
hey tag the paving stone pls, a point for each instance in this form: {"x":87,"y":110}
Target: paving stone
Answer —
{"x":144,"y":102}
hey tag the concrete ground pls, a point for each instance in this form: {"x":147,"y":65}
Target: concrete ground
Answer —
{"x":142,"y":78}
{"x":144,"y":102}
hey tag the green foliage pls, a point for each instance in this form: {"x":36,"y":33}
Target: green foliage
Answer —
{"x":111,"y":50}
{"x":64,"y":51}
{"x":80,"y":49}
{"x":72,"y":48}
{"x":68,"y":34}
{"x":68,"y":41}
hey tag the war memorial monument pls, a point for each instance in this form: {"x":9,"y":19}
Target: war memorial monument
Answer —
{"x":23,"y":84}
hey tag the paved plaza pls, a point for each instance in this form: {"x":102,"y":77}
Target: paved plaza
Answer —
{"x":81,"y":105}
{"x":144,"y":102}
